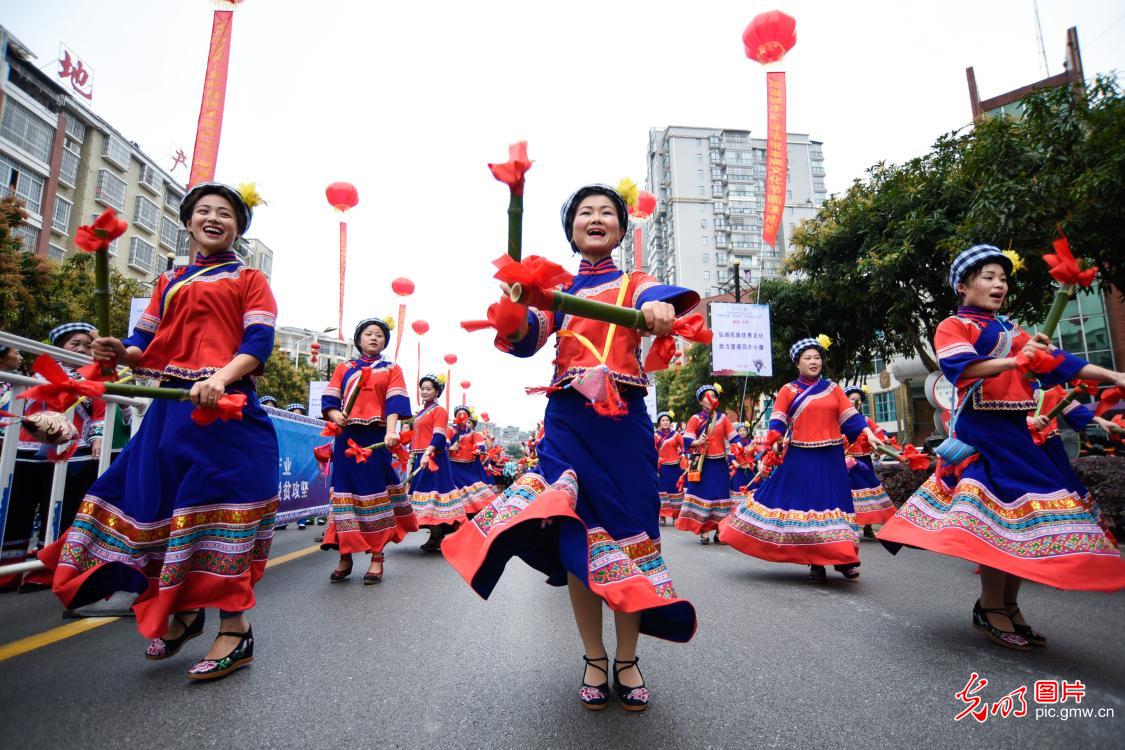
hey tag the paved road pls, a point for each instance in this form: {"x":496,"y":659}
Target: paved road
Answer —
{"x":421,"y":661}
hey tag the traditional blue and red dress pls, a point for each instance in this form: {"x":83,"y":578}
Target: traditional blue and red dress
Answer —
{"x":184,"y":516}
{"x":669,"y":452}
{"x":1005,"y":507}
{"x":742,"y":467}
{"x":802,"y":512}
{"x":466,"y":446}
{"x":871,"y":502}
{"x":707,"y":498}
{"x":1049,"y":439}
{"x":591,"y":507}
{"x":435,"y":497}
{"x":370,"y":508}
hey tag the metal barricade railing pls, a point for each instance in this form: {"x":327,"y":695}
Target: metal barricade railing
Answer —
{"x":20,"y":383}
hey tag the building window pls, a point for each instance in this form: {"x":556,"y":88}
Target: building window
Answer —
{"x":720,"y":257}
{"x":18,"y":179}
{"x":703,"y":223}
{"x":183,"y":244}
{"x":172,"y":201}
{"x":885,"y":407}
{"x":61,"y":221}
{"x":75,"y":128}
{"x":699,"y":173}
{"x":700,"y":190}
{"x":705,"y":241}
{"x":146,"y":214}
{"x":721,"y":275}
{"x":1083,"y":330}
{"x":140,"y":255}
{"x":706,"y":275}
{"x":699,"y":156}
{"x":116,"y":150}
{"x":266,"y":264}
{"x":150,"y":178}
{"x":110,"y":190}
{"x":169,"y":233}
{"x":68,"y":167}
{"x":22,"y":127}
{"x":28,"y":235}
{"x":56,"y":253}
{"x":706,"y":257}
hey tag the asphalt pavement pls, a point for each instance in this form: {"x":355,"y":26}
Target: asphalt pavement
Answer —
{"x":420,"y":661}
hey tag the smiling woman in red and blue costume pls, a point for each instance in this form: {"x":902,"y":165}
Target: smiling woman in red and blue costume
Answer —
{"x":588,"y":516}
{"x":802,"y":512}
{"x":707,"y":439}
{"x":1004,"y":506}
{"x":439,"y":504}
{"x":184,"y":516}
{"x":869,"y":498}
{"x":669,"y":450}
{"x":365,"y":398}
{"x":466,"y":446}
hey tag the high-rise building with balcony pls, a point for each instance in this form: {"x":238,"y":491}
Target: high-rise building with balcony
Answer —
{"x":710,"y":189}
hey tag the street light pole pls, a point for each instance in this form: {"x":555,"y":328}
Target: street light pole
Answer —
{"x":736,"y":266}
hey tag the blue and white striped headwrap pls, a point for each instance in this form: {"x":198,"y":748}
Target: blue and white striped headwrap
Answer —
{"x":796,"y":350}
{"x":975,"y":256}
{"x":664,"y":414}
{"x":703,"y":389}
{"x":76,"y":327}
{"x":853,"y":389}
{"x":267,"y":400}
{"x":293,"y":406}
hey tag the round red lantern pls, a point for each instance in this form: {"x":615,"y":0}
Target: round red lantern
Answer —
{"x":465,"y":384}
{"x":420,"y":327}
{"x":314,"y":347}
{"x":342,"y":195}
{"x":769,"y":36}
{"x":402,"y":286}
{"x":645,"y":205}
{"x":450,"y":359}
{"x":484,"y":416}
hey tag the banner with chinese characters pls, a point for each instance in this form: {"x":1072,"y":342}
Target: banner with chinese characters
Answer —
{"x":301,"y":489}
{"x":210,"y":125}
{"x":777,"y":156}
{"x":742,"y":340}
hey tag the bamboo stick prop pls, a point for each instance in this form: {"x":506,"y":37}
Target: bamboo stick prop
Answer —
{"x":1070,"y":273}
{"x":574,"y":305}
{"x":95,"y":238}
{"x":511,"y":173}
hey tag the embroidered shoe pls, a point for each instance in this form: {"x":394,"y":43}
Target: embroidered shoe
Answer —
{"x":243,"y":654}
{"x":1006,"y":638}
{"x":632,"y":698}
{"x":594,"y":697}
{"x":163,"y":648}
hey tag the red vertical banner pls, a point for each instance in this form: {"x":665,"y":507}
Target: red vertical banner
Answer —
{"x":418,"y":387}
{"x":448,"y":387}
{"x":343,"y":273}
{"x":638,"y":248}
{"x":398,"y":328}
{"x":777,"y":156}
{"x":210,"y":125}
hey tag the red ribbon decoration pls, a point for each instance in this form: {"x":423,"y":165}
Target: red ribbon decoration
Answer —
{"x":1039,"y":362}
{"x":60,"y":391}
{"x":691,"y":327}
{"x":1087,"y":387}
{"x":1062,"y":265}
{"x":914,"y":458}
{"x":331,"y":429}
{"x":323,"y":455}
{"x":1109,"y":400}
{"x":229,"y":407}
{"x":533,"y":272}
{"x":357,"y":451}
{"x":771,"y":458}
{"x":505,"y":316}
{"x":512,"y":171}
{"x":97,"y":236}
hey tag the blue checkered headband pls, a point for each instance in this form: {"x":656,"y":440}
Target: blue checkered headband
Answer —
{"x":796,"y":350}
{"x":853,"y":389}
{"x":703,"y":389}
{"x":437,"y":384}
{"x":77,"y":327}
{"x":291,"y":407}
{"x":977,"y":255}
{"x":465,"y":409}
{"x":663,"y":414}
{"x":267,"y":400}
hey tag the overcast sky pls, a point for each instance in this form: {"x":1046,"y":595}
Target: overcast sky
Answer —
{"x":409,"y":101}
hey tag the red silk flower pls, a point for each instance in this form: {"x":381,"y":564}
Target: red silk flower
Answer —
{"x":505,"y":316}
{"x":914,"y":458}
{"x":691,"y":327}
{"x":405,"y":436}
{"x":331,"y":429}
{"x":1109,"y":400}
{"x":533,"y":271}
{"x":97,"y":236}
{"x":1062,"y":265}
{"x":229,"y":407}
{"x":1087,"y":387}
{"x":771,"y":459}
{"x":512,"y":171}
{"x":60,"y":392}
{"x":1117,"y":437}
{"x":1037,"y":436}
{"x":357,"y":451}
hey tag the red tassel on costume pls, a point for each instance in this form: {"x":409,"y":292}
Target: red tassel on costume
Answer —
{"x":229,"y":407}
{"x":331,"y":429}
{"x":691,"y":327}
{"x":357,"y":451}
{"x":323,"y":455}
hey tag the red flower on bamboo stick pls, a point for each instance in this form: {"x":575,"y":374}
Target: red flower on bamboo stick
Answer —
{"x":1087,"y":387}
{"x":1065,"y":269}
{"x":512,"y":171}
{"x":1039,"y":362}
{"x":505,"y":316}
{"x":691,"y":327}
{"x":914,"y":458}
{"x":97,"y":236}
{"x":533,"y":271}
{"x":229,"y":407}
{"x":331,"y":429}
{"x":357,"y":451}
{"x":60,"y":391}
{"x":1109,"y":400}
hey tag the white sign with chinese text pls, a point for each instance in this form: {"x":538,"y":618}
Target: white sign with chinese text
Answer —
{"x":742,"y":340}
{"x":650,"y":398}
{"x":316,"y":390}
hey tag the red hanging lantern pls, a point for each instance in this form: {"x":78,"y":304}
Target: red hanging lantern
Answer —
{"x":466,"y":384}
{"x":484,"y":416}
{"x":314,"y":347}
{"x":402,"y":286}
{"x":450,"y":359}
{"x":766,"y":40}
{"x":420,"y":327}
{"x":342,"y":196}
{"x":645,"y":205}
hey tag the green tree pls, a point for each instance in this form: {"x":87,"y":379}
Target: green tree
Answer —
{"x":878,"y":254}
{"x":286,"y":382}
